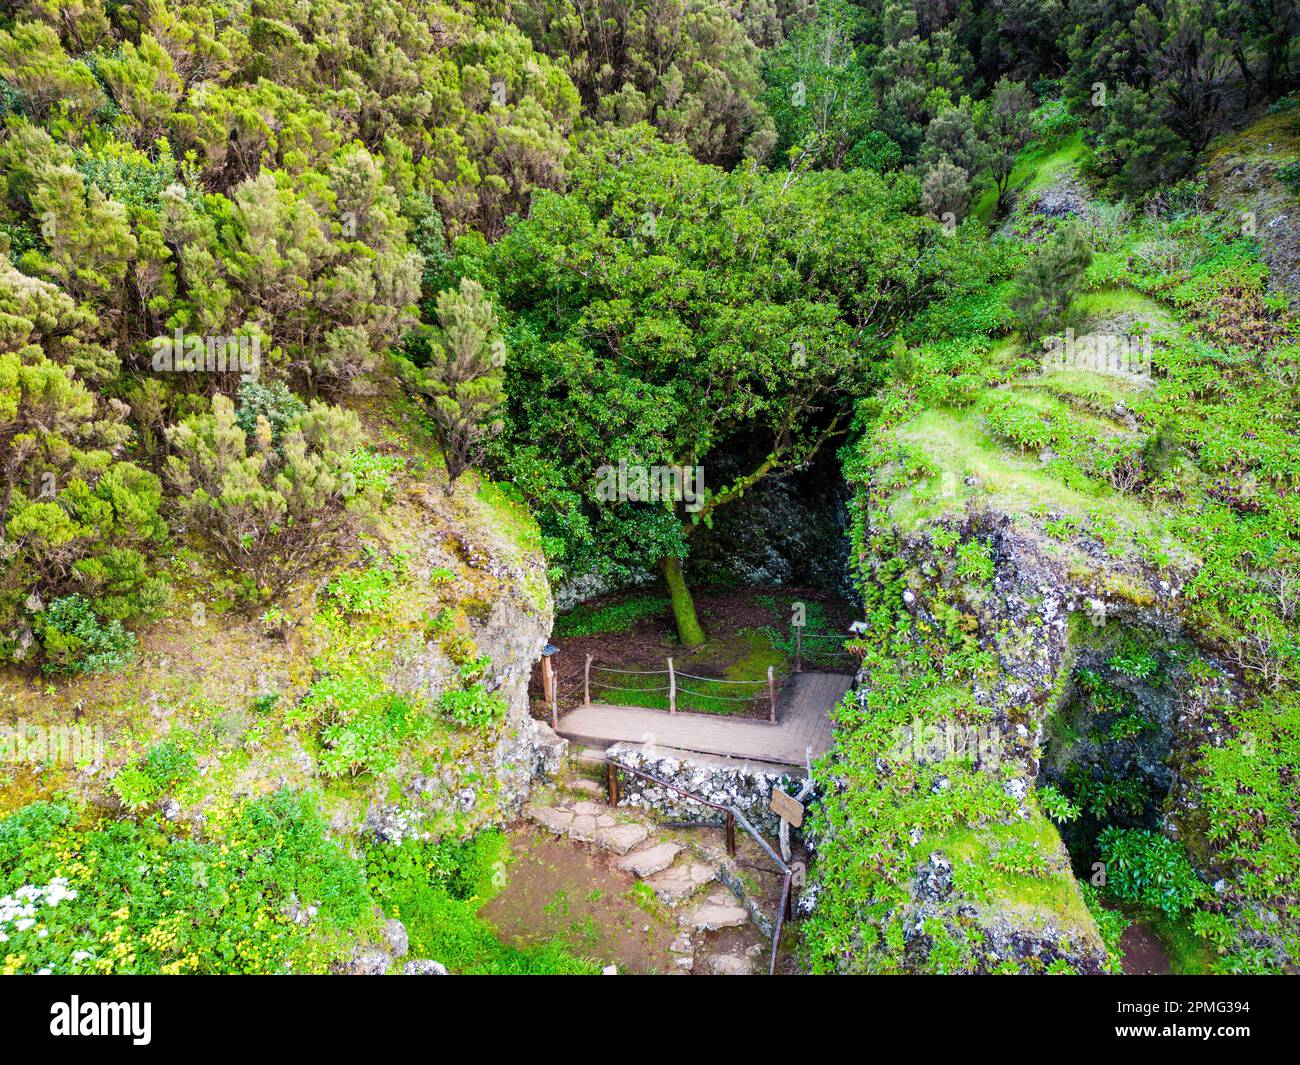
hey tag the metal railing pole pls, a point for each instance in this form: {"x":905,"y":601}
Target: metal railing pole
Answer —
{"x":784,"y":905}
{"x":771,"y":693}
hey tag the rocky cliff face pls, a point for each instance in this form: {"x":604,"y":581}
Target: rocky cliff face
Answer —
{"x":465,"y":606}
{"x":1059,"y":623}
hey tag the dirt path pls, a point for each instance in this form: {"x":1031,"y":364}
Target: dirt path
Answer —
{"x":1143,"y":953}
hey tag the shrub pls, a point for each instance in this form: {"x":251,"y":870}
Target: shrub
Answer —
{"x":364,"y":592}
{"x":474,"y":707}
{"x":360,"y":724}
{"x":1148,"y":868}
{"x":76,"y":641}
{"x":125,"y":897}
{"x":1046,"y":284}
{"x":462,"y":376}
{"x":270,"y":513}
{"x":275,"y":404}
{"x":1019,"y":424}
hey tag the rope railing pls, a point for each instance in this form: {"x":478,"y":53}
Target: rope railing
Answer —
{"x":673,"y":689}
{"x":800,"y":636}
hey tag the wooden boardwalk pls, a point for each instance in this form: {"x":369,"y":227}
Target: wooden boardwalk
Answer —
{"x":803,"y":721}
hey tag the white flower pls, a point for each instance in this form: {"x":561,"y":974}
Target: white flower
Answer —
{"x":24,"y":924}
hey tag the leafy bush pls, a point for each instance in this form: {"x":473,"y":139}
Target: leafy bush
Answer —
{"x":145,"y":781}
{"x":975,"y":562}
{"x":360,"y":725}
{"x":76,"y":641}
{"x":437,"y":889}
{"x":1056,"y":806}
{"x":473,"y":707}
{"x":1150,"y":869}
{"x":1046,"y":285}
{"x":274,"y":404}
{"x":365,"y":592}
{"x":271,"y":513}
{"x":1289,"y":175}
{"x":125,"y":897}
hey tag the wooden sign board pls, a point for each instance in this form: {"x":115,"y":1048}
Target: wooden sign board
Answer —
{"x":787,"y":808}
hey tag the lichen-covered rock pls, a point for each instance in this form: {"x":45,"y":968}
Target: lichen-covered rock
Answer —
{"x":424,"y":967}
{"x":398,"y":941}
{"x":747,"y":786}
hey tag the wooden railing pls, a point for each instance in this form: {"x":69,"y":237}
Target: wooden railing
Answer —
{"x":671,"y":687}
{"x":785,"y":907}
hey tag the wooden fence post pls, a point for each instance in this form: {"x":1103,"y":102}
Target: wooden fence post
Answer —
{"x":798,"y":648}
{"x":672,"y":688}
{"x":586,"y":683}
{"x":771,"y":693}
{"x":613,"y":783}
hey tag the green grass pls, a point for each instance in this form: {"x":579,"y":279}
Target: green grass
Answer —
{"x":1035,"y":169}
{"x":437,"y":890}
{"x":610,"y":618}
{"x":956,"y":442}
{"x":725,"y":697}
{"x":1115,"y":300}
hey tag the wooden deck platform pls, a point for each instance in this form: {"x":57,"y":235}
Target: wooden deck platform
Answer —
{"x":803,"y":721}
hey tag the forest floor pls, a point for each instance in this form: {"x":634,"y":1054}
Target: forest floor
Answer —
{"x":748,"y":629}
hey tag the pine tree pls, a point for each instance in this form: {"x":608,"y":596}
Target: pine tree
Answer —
{"x":462,"y":381}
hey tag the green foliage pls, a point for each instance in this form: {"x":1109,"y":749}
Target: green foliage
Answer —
{"x":1046,"y":285}
{"x":461,"y":376}
{"x":76,"y":640}
{"x":1149,"y":869}
{"x":689,"y":69}
{"x":361,"y":726}
{"x":436,"y":889}
{"x":138,"y":900}
{"x":975,"y":562}
{"x":473,"y":707}
{"x":1110,"y":923}
{"x":366,"y":591}
{"x":272,"y":514}
{"x":609,"y":618}
{"x":1059,"y":808}
{"x":707,"y":288}
{"x":274,"y":404}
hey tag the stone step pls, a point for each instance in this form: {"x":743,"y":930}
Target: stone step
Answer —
{"x":590,"y":755}
{"x":650,"y":860}
{"x":554,"y":818}
{"x":718,"y":911}
{"x":681,"y":880}
{"x":584,"y":786}
{"x":621,"y":838}
{"x":730,"y":965}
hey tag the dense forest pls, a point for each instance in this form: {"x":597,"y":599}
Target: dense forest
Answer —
{"x":322,"y":325}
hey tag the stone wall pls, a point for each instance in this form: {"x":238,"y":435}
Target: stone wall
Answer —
{"x":745,"y":785}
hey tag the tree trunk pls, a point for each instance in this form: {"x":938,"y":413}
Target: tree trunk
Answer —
{"x":688,"y":625}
